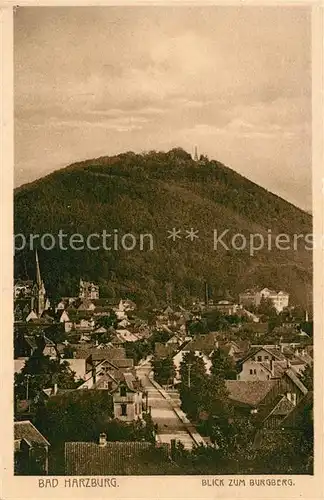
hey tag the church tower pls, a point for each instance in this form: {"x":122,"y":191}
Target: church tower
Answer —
{"x":39,"y":290}
{"x":196,"y":154}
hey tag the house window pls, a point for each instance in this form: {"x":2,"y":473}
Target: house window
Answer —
{"x":259,"y":358}
{"x":254,"y":372}
{"x":123,"y":409}
{"x":123,"y":391}
{"x":251,"y":372}
{"x":109,"y":385}
{"x":266,"y":357}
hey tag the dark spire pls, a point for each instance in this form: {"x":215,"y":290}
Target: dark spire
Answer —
{"x":38,"y":274}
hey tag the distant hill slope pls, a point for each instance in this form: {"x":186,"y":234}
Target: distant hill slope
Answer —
{"x":153,"y":193}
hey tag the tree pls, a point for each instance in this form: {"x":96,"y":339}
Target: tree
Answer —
{"x":307,"y":327}
{"x":41,"y":372}
{"x":215,"y":320}
{"x":281,"y":453}
{"x":164,"y":371}
{"x":78,"y":415}
{"x":137,"y":350}
{"x":56,"y":333}
{"x":266,"y":308}
{"x":108,"y":321}
{"x":192,"y":369}
{"x":107,"y":291}
{"x":197,"y":327}
{"x":213,"y":397}
{"x":192,"y":373}
{"x":160,"y":336}
{"x":223,"y":365}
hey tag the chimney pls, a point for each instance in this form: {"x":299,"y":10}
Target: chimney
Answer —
{"x":102,"y":439}
{"x":281,"y":348}
{"x":55,"y":389}
{"x":288,"y":364}
{"x":272,"y":367}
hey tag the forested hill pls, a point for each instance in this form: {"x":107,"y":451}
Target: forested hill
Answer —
{"x":153,"y":193}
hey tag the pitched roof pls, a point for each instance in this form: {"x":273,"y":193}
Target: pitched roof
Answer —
{"x":126,"y":336}
{"x":292,"y":375}
{"x":249,"y":393}
{"x":203,"y":343}
{"x":124,"y":363}
{"x":110,"y":353}
{"x":129,"y":379}
{"x":295,"y":417}
{"x":283,"y":407}
{"x":102,"y":309}
{"x":115,"y":458}
{"x":77,"y":315}
{"x":26,"y":430}
{"x":31,"y":341}
{"x":51,"y":392}
{"x":85,"y":305}
{"x":163,"y":351}
{"x":278,"y":369}
{"x":275,"y":353}
{"x":280,"y":406}
{"x":104,"y":302}
{"x":82,"y":353}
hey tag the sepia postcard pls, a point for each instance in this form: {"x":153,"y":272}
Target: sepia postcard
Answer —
{"x":162,"y":250}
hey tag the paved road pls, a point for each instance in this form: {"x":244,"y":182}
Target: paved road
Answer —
{"x":169,"y":424}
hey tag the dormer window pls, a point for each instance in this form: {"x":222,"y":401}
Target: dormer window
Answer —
{"x":123,"y":391}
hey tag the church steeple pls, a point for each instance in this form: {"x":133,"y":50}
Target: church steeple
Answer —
{"x":39,"y":289}
{"x":196,"y":154}
{"x":38,"y":274}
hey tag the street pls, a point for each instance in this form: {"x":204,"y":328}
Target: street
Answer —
{"x":170,"y":426}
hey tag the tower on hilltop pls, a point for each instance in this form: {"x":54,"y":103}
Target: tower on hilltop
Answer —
{"x":196,"y":154}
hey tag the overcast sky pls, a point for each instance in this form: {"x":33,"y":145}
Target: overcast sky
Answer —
{"x":234,"y":81}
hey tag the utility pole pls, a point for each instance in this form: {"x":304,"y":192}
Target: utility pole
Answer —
{"x":189,"y":380}
{"x":27,"y":391}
